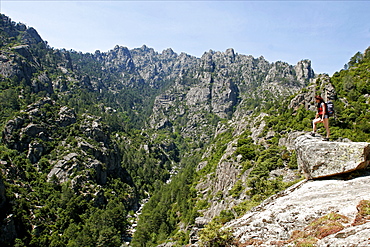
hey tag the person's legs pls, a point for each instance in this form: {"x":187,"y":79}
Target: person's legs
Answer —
{"x":326,"y":125}
{"x":314,"y":122}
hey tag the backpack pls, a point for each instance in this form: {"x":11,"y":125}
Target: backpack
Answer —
{"x":330,"y":108}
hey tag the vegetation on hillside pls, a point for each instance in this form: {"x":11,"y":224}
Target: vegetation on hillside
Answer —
{"x":44,"y":211}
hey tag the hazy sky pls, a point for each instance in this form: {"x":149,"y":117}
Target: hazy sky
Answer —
{"x":328,"y":33}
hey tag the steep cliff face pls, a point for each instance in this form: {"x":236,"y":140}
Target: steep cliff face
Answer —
{"x":14,"y":65}
{"x":228,"y":186}
{"x":2,"y":194}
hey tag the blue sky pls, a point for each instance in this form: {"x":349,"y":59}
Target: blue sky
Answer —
{"x":328,"y":33}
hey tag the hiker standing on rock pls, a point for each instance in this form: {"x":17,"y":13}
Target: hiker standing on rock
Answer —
{"x":322,"y":116}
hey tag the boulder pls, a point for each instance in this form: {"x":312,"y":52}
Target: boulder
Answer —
{"x":35,"y":151}
{"x":9,"y":134}
{"x":64,"y":167}
{"x":32,"y":130}
{"x":67,"y":116}
{"x":93,"y":129}
{"x":317,"y":159}
{"x":42,"y":83}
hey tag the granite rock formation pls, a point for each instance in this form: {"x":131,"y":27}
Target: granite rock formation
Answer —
{"x":275,"y":221}
{"x":317,"y":159}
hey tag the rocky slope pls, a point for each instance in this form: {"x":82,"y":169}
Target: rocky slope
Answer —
{"x":283,"y":217}
{"x":333,"y":204}
{"x":278,"y":219}
{"x":33,"y":133}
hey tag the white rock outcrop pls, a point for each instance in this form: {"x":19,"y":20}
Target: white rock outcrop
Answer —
{"x":295,"y":208}
{"x":317,"y":159}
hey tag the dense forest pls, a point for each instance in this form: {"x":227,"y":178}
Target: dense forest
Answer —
{"x":79,"y":151}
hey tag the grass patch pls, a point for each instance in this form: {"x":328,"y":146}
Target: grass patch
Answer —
{"x":318,"y":229}
{"x":363,"y":214}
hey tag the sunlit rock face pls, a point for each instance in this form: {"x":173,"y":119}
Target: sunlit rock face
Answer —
{"x":294,"y":209}
{"x":317,"y":159}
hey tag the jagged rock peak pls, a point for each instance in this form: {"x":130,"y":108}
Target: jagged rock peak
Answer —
{"x":211,"y":53}
{"x":230,"y":52}
{"x":121,"y":50}
{"x":304,"y":69}
{"x":169,"y":53}
{"x":29,"y":34}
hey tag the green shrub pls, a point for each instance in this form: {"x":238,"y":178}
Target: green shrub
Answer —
{"x":237,"y":189}
{"x":214,"y":236}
